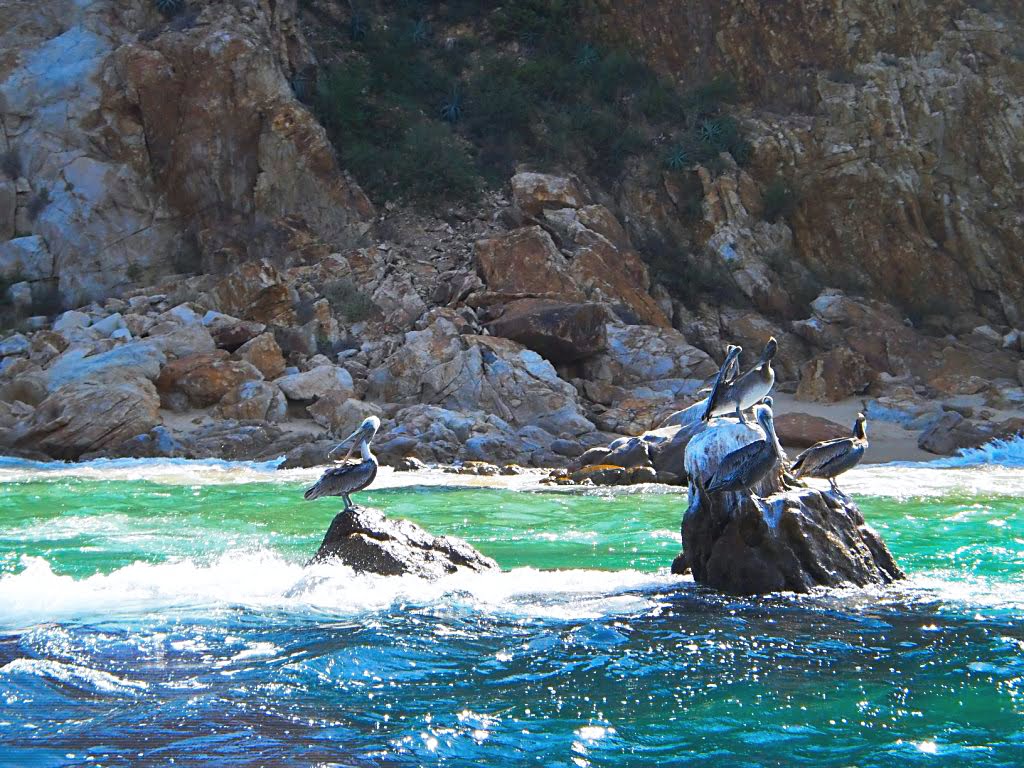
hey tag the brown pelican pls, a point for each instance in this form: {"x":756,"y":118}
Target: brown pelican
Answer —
{"x":349,"y":478}
{"x":726,"y":376}
{"x":746,"y":390}
{"x":830,"y":458}
{"x":749,"y":465}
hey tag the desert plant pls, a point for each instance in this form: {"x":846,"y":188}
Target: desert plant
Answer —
{"x":451,"y":110}
{"x":677,"y":157}
{"x":134,"y":272}
{"x":169,"y":7}
{"x":420,"y":32}
{"x":38,"y":203}
{"x":358,"y":24}
{"x":587,"y":56}
{"x":10,"y":164}
{"x":348,"y":300}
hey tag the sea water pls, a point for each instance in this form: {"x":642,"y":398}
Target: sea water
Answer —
{"x":159,"y":613}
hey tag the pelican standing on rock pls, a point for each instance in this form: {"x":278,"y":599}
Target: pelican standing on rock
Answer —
{"x":830,"y":458}
{"x":749,"y":465}
{"x":744,"y":391}
{"x":349,"y":478}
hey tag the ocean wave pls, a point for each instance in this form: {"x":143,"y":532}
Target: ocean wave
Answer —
{"x":1005,"y":453}
{"x":264,"y":580}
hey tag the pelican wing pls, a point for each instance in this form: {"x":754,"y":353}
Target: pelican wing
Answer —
{"x":725,"y":375}
{"x":815,"y":459}
{"x":348,"y":478}
{"x":736,"y":466}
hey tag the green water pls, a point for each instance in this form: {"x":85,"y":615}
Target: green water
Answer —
{"x":144,"y":622}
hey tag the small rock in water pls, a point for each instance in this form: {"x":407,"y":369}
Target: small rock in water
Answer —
{"x":409,"y":464}
{"x":368,"y":542}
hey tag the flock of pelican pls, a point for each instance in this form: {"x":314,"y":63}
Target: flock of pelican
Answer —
{"x":732,"y":393}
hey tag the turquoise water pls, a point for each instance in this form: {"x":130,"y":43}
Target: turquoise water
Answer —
{"x":161,"y":615}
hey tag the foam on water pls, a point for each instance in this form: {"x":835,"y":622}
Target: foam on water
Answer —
{"x":266,"y":581}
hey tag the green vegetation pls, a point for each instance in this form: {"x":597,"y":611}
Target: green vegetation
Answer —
{"x":348,"y":301}
{"x":169,"y":7}
{"x":429,"y":119}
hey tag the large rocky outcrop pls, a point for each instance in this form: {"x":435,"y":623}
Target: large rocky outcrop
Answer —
{"x":872,"y":111}
{"x":783,"y":538}
{"x":131,"y":129}
{"x":368,"y":542}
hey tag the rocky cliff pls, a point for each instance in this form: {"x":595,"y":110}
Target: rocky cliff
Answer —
{"x":561,"y":232}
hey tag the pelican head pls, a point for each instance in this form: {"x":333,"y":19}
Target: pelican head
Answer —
{"x":769,"y":350}
{"x":769,"y":402}
{"x":364,"y":434}
{"x":860,"y":427}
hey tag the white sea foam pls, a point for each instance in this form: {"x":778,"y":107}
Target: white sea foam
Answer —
{"x":266,"y":581}
{"x":72,"y":674}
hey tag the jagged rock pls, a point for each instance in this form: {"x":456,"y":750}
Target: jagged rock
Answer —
{"x":834,"y":376}
{"x":86,"y":416}
{"x":409,"y":464}
{"x":177,"y":341}
{"x":210,"y":379}
{"x":255,"y":291}
{"x":27,"y":258}
{"x":315,"y":383}
{"x":639,"y":354}
{"x":263,"y":352}
{"x":533,"y":192}
{"x":108,"y":325}
{"x":802,"y":430}
{"x":8,"y":208}
{"x":254,"y":401}
{"x":230,"y":333}
{"x":949,"y":434}
{"x":790,"y":539}
{"x":611,"y":474}
{"x":368,"y":542}
{"x":72,"y":319}
{"x":526,"y":261}
{"x":76,"y":364}
{"x":340,"y":413}
{"x":15,"y":344}
{"x":558,"y":331}
{"x":438,"y":366}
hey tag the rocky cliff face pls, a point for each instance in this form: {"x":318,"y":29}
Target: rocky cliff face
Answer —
{"x":898,"y":125}
{"x":240,"y":294}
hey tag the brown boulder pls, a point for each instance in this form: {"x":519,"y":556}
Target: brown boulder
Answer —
{"x":86,"y":416}
{"x":949,"y":434}
{"x":833,"y":376}
{"x":533,"y":192}
{"x":264,"y":353}
{"x":233,"y":334}
{"x":255,"y":291}
{"x":340,"y":413}
{"x":558,"y":331}
{"x":205,"y":379}
{"x":525,"y":261}
{"x":254,"y":401}
{"x":802,"y":430}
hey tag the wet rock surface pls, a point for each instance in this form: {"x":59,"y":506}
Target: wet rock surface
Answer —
{"x":786,"y":538}
{"x":368,"y":542}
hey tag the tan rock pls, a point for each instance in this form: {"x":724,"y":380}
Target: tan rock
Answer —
{"x":341,"y":414}
{"x":525,"y":261}
{"x":254,"y":401}
{"x":255,"y":291}
{"x":833,"y":376}
{"x":207,"y":383}
{"x":559,"y":331}
{"x":533,"y":192}
{"x":85,"y":416}
{"x":315,"y":383}
{"x":802,"y":430}
{"x":264,"y":353}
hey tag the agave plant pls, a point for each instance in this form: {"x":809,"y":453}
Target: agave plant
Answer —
{"x":421,"y":32}
{"x":359,"y":25}
{"x":677,"y":157}
{"x":742,"y":151}
{"x":587,"y":56}
{"x":451,"y":110}
{"x":169,"y":7}
{"x":710,"y":132}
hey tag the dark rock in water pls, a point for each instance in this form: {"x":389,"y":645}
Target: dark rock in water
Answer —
{"x":785,"y":539}
{"x":409,"y":464}
{"x":368,"y":542}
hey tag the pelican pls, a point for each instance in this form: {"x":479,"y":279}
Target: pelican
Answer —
{"x":749,"y":465}
{"x":726,"y":376}
{"x":349,"y":478}
{"x":746,"y":390}
{"x":830,"y":458}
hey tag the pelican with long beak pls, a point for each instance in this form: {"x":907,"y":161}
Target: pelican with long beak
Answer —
{"x":745,"y":391}
{"x":348,"y":478}
{"x":830,"y":458}
{"x":749,"y":465}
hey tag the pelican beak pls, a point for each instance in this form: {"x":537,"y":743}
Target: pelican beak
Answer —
{"x":351,"y":441}
{"x":770,"y":349}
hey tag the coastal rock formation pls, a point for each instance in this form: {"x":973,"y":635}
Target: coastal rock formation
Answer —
{"x":783,"y":539}
{"x":368,"y":542}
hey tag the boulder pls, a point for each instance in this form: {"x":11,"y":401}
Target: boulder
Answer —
{"x":230,"y":333}
{"x":14,"y":345}
{"x":790,"y":539}
{"x":340,"y":414}
{"x":254,"y":401}
{"x":211,"y":379}
{"x":176,"y":340}
{"x":139,"y":358}
{"x":366,"y":541}
{"x":533,"y":192}
{"x":86,"y":416}
{"x":255,"y":291}
{"x":525,"y":262}
{"x":438,"y":366}
{"x":263,"y":352}
{"x":558,"y":331}
{"x":28,"y":258}
{"x":315,"y":383}
{"x":641,"y":353}
{"x":834,"y":376}
{"x":802,"y":430}
{"x":950,"y":433}
{"x":72,"y":319}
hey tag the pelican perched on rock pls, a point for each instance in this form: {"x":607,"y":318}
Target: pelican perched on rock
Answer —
{"x":749,"y":465}
{"x":726,"y":375}
{"x":830,"y":458}
{"x":349,"y":478}
{"x":744,"y":391}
